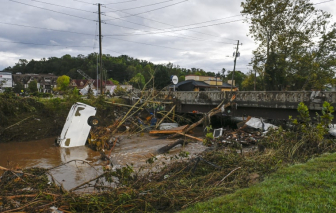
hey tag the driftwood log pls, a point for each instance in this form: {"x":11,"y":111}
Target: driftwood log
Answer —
{"x":170,"y":146}
{"x":211,"y":113}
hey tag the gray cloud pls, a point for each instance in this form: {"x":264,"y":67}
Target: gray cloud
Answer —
{"x":205,"y":47}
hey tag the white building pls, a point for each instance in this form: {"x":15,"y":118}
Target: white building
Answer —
{"x":6,"y":80}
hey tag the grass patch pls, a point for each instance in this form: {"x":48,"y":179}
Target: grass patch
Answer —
{"x":309,"y":187}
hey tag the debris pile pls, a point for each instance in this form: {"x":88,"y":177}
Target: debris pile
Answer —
{"x":174,"y":187}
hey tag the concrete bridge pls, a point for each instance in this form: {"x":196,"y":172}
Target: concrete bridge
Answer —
{"x":273,"y":105}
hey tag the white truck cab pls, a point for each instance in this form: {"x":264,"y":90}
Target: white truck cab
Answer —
{"x":77,"y":125}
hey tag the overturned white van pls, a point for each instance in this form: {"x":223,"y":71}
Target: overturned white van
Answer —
{"x":78,"y":125}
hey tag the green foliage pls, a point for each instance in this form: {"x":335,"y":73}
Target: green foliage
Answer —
{"x":124,"y":175}
{"x":303,"y":113}
{"x":161,"y":77}
{"x":181,"y":78}
{"x":326,"y":118}
{"x":296,"y":43}
{"x":18,"y":88}
{"x":123,"y":67}
{"x":115,"y":82}
{"x":303,"y":121}
{"x":138,"y":81}
{"x":119,"y":91}
{"x":208,"y":137}
{"x":300,"y":188}
{"x":32,"y":86}
{"x":248,"y":83}
{"x":73,"y":96}
{"x":13,"y":106}
{"x":239,"y":77}
{"x":63,"y":83}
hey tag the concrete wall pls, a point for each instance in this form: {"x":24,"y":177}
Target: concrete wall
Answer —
{"x":255,"y":99}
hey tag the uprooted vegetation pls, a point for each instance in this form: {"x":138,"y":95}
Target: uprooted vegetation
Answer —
{"x":179,"y":185}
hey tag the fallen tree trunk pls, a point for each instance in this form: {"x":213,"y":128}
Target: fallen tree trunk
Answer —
{"x":211,"y":113}
{"x":170,"y":146}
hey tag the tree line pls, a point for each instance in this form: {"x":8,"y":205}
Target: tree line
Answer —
{"x":121,"y":69}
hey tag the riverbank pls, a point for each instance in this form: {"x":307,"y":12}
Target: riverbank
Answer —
{"x":308,"y":187}
{"x":31,"y":118}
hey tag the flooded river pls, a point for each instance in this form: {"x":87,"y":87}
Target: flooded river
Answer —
{"x":44,"y":153}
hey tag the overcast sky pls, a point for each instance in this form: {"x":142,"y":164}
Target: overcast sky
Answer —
{"x":188,"y":33}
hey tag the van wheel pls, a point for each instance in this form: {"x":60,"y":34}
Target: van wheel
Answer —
{"x":93,"y":121}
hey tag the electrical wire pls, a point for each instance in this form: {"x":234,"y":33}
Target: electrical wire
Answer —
{"x":52,"y":10}
{"x":80,"y":10}
{"x":152,"y":10}
{"x":149,"y":32}
{"x":130,"y":15}
{"x":114,"y":51}
{"x":149,"y":44}
{"x":41,"y":28}
{"x":323,"y":2}
{"x":138,"y":7}
{"x":64,"y":31}
{"x":120,"y":2}
{"x":64,"y":6}
{"x":86,"y":2}
{"x":181,"y":35}
{"x":182,"y":26}
{"x":51,"y":45}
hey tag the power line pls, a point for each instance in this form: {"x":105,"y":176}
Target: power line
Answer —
{"x":149,"y":32}
{"x":79,"y":33}
{"x":114,"y":51}
{"x":185,"y":37}
{"x":129,"y":15}
{"x":86,"y":2}
{"x":120,"y":2}
{"x":149,"y":44}
{"x":152,"y":10}
{"x":52,"y":10}
{"x":51,"y":45}
{"x":202,"y":22}
{"x":41,"y":28}
{"x":323,"y":2}
{"x":138,"y":7}
{"x":64,"y":6}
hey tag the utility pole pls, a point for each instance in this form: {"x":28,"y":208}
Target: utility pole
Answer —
{"x":100,"y":52}
{"x":237,"y":54}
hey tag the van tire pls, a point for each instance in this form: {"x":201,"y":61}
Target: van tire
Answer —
{"x":93,"y":121}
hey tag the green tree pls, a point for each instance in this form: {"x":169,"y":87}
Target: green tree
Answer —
{"x":296,"y":43}
{"x":32,"y":86}
{"x":181,"y":78}
{"x":161,"y":77}
{"x":63,"y":83}
{"x":248,"y":83}
{"x":115,"y":82}
{"x":238,"y":77}
{"x":138,"y":81}
{"x":18,"y":87}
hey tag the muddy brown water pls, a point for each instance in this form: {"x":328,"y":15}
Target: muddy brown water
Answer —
{"x":44,"y":153}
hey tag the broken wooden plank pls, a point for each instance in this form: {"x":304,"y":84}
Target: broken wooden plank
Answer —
{"x":190,"y":136}
{"x":169,"y":131}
